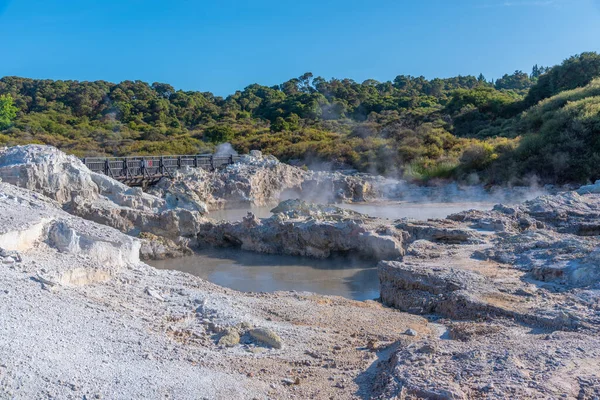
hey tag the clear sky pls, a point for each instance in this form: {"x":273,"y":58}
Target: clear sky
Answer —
{"x":225,"y":45}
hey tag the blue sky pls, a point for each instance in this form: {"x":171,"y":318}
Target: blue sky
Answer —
{"x":225,"y":45}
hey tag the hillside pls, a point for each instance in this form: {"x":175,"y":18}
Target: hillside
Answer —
{"x":544,"y":124}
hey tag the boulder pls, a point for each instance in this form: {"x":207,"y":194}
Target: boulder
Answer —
{"x":230,"y":338}
{"x":267,"y":337}
{"x":255,"y":180}
{"x":299,"y":228}
{"x":99,"y":198}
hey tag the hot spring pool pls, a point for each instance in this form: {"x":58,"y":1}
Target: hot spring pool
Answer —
{"x":252,"y":272}
{"x":348,"y":277}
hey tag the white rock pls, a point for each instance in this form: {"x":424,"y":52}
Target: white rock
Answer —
{"x":154,"y":293}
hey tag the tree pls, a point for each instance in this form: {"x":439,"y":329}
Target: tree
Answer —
{"x":481,"y":78}
{"x":219,"y":134}
{"x":163,"y":89}
{"x":574,"y":72}
{"x":8,"y":111}
{"x":305,"y":83}
{"x":538,"y":71}
{"x":519,"y":80}
{"x":279,"y":125}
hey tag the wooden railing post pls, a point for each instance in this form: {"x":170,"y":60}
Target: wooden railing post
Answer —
{"x":178,"y":162}
{"x":106,"y":167}
{"x":231,"y":159}
{"x":142,"y":166}
{"x":125,"y":170}
{"x":196,"y":161}
{"x":212,"y":162}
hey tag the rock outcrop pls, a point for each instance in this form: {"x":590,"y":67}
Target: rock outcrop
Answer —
{"x":531,"y":268}
{"x":93,"y":196}
{"x":298,"y":228}
{"x":336,"y":187}
{"x":568,"y":212}
{"x":491,"y":304}
{"x":255,"y":180}
{"x":31,"y":222}
{"x":527,"y":262}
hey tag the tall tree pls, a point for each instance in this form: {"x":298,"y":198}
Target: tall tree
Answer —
{"x":8,"y":111}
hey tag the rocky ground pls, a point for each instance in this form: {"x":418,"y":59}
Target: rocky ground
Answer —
{"x":495,"y":304}
{"x":82,"y":317}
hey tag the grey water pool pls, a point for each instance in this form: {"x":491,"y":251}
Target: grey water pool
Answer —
{"x":352,"y":278}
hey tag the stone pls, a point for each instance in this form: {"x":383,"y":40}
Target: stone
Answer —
{"x":267,"y":337}
{"x":155,"y":247}
{"x":154,"y":293}
{"x":300,"y":228}
{"x":410,"y":332}
{"x":96,"y":197}
{"x":255,"y":180}
{"x":230,"y":338}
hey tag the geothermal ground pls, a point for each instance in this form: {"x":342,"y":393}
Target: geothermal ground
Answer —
{"x":483,"y":304}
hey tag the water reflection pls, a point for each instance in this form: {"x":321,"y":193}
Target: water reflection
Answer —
{"x":251,"y":272}
{"x":238,"y":214}
{"x":348,"y":277}
{"x":421,"y":211}
{"x":390,"y":210}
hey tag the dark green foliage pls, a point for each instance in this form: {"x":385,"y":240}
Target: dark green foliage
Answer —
{"x":219,"y":134}
{"x":454,"y":128}
{"x":563,"y":136}
{"x":7,"y":111}
{"x":574,"y":72}
{"x":477,"y":112}
{"x":518,"y":81}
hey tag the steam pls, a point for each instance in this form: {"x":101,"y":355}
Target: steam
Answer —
{"x":455,"y":193}
{"x":393,"y":198}
{"x":224,"y":150}
{"x":396,"y":199}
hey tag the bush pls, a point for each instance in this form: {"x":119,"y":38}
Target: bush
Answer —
{"x":478,"y":156}
{"x":219,"y":134}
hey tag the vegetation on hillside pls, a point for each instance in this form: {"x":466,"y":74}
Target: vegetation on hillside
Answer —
{"x":546,"y":123}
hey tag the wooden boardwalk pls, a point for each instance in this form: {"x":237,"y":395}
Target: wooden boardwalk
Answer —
{"x":148,"y":170}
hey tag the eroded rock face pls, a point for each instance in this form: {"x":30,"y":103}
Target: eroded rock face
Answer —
{"x":93,"y":196}
{"x":519,"y":263}
{"x":255,"y":180}
{"x":567,"y":212}
{"x":298,"y":228}
{"x":335,"y":187}
{"x":477,"y":366}
{"x":32,"y":222}
{"x":259,"y":180}
{"x":531,"y":267}
{"x":514,"y":293}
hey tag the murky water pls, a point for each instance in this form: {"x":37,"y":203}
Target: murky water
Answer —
{"x":251,"y":272}
{"x":390,"y":210}
{"x":348,"y":277}
{"x":238,"y":214}
{"x":422,"y":211}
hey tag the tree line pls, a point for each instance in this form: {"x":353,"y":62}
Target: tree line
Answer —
{"x":464,"y":127}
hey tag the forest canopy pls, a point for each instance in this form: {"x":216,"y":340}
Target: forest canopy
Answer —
{"x":545,"y":123}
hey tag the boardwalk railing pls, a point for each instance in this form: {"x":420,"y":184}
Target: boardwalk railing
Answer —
{"x":147,"y":170}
